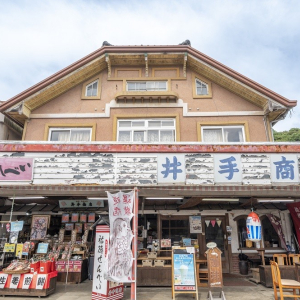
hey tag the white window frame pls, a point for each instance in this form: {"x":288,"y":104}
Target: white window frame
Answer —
{"x":68,"y":129}
{"x":147,"y":83}
{"x":222,"y":128}
{"x":146,"y":128}
{"x":204,"y":83}
{"x":92,"y":83}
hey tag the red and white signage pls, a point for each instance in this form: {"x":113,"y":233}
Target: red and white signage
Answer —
{"x":16,"y":169}
{"x":102,"y":288}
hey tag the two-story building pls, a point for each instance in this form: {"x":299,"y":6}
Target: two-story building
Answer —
{"x":194,"y":136}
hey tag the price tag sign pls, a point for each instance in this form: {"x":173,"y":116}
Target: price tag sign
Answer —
{"x":3,"y":279}
{"x":40,"y":282}
{"x":27,"y":281}
{"x":14,"y":281}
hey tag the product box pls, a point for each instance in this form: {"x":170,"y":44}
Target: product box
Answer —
{"x":69,"y":266}
{"x":45,"y":267}
{"x":60,"y":266}
{"x":152,"y":254}
{"x":147,"y":262}
{"x":159,"y":263}
{"x":35,"y":267}
{"x":77,"y":266}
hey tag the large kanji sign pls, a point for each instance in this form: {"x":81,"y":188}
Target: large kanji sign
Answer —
{"x":16,"y":169}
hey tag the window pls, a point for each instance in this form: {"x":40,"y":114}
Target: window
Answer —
{"x":134,"y":86}
{"x":91,"y":89}
{"x":222,"y":134}
{"x":146,"y":130}
{"x":201,"y":87}
{"x":70,"y":134}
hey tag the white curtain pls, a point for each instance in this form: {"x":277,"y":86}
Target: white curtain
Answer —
{"x":212,"y":135}
{"x":153,"y":136}
{"x":63,"y":136}
{"x":138,"y":136}
{"x":124,"y":136}
{"x":167,"y":136}
{"x":80,"y":136}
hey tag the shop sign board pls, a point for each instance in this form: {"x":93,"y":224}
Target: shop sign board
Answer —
{"x":16,"y":169}
{"x":214,"y":263}
{"x":3,"y":279}
{"x":284,"y":168}
{"x":19,"y":250}
{"x":27,"y":281}
{"x":171,"y":168}
{"x":42,"y":248}
{"x":80,"y":204}
{"x":102,"y":288}
{"x":40,"y":281}
{"x":228,"y":168}
{"x":15,"y":279}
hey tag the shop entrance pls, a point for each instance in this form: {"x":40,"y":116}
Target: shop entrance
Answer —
{"x":214,"y":230}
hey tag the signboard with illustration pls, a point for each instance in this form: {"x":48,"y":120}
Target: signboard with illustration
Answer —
{"x":184,"y":279}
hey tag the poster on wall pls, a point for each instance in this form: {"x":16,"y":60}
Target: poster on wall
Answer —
{"x":16,"y":226}
{"x":78,"y":227}
{"x":13,"y":237}
{"x":120,"y":215}
{"x":102,"y":288}
{"x":91,"y":217}
{"x":195,"y":224}
{"x":75,"y":217}
{"x":65,"y":218}
{"x":83,"y":218}
{"x":39,"y":227}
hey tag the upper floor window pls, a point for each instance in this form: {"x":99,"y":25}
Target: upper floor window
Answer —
{"x":70,"y":134}
{"x":201,"y":87}
{"x":91,"y":89}
{"x":223,"y":134}
{"x":146,"y":86}
{"x":146,"y":130}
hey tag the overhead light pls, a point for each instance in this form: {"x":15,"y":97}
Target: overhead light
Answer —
{"x":27,"y":197}
{"x":91,"y":198}
{"x":163,"y":198}
{"x":221,"y":199}
{"x":274,"y":200}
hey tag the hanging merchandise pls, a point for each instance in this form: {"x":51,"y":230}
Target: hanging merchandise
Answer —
{"x":219,"y":222}
{"x":253,"y":227}
{"x":8,"y":227}
{"x":213,"y":223}
{"x":207,"y":222}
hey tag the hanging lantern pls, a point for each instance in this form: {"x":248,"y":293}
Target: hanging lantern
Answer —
{"x":253,"y":227}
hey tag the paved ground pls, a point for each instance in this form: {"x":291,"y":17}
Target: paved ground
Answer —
{"x":83,"y":291}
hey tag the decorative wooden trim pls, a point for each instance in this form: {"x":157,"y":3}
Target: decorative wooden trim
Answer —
{"x":73,"y":125}
{"x":195,"y":96}
{"x":146,"y":66}
{"x":231,"y":123}
{"x":85,"y":84}
{"x":125,"y":69}
{"x":117,"y":117}
{"x":165,"y":69}
{"x":24,"y":130}
{"x":184,"y":65}
{"x":108,"y":65}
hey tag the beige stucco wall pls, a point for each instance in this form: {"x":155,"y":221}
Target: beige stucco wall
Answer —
{"x":222,"y":100}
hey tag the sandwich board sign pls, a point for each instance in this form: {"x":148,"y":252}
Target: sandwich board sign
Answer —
{"x":184,"y":279}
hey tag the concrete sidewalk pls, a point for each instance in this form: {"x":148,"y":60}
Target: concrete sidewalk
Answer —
{"x":83,"y":291}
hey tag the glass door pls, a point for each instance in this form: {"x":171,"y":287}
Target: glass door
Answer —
{"x":215,"y":231}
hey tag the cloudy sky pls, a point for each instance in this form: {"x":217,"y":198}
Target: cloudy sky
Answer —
{"x":258,"y":38}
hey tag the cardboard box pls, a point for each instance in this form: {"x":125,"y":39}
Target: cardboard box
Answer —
{"x":147,"y":262}
{"x":45,"y":267}
{"x":159,"y":263}
{"x":152,"y":254}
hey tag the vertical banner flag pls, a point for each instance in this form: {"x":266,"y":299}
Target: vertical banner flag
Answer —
{"x":276,"y":223}
{"x":103,"y":289}
{"x":120,"y":254}
{"x":294,"y":209}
